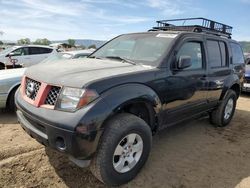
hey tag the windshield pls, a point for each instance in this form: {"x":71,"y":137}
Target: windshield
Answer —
{"x":145,"y":48}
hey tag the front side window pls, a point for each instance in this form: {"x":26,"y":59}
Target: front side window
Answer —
{"x":140,"y":48}
{"x":194,"y":51}
{"x":20,"y":52}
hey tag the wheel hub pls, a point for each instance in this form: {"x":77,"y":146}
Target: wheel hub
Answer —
{"x":229,"y":109}
{"x":127,"y":153}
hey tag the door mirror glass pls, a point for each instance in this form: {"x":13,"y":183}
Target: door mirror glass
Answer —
{"x":184,"y":62}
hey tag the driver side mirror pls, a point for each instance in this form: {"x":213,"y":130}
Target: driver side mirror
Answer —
{"x":184,"y":62}
{"x":10,"y":54}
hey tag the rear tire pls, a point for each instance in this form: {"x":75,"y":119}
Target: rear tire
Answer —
{"x":222,"y":116}
{"x":123,"y":149}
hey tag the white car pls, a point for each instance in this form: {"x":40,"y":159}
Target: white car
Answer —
{"x":25,"y":55}
{"x":10,"y":79}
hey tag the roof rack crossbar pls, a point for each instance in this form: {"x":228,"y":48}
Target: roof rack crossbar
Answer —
{"x":199,"y":25}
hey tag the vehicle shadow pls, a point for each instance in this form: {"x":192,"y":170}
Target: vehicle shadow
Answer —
{"x":245,"y":95}
{"x":72,"y":175}
{"x":7,"y":117}
{"x":193,"y":154}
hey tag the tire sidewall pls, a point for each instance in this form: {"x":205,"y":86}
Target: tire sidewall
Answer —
{"x":231,"y":95}
{"x":109,"y":171}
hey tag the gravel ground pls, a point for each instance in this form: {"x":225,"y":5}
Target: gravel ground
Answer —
{"x":192,"y":154}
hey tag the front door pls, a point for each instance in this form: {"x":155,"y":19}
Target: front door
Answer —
{"x":187,"y":87}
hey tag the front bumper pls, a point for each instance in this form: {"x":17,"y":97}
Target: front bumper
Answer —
{"x":56,"y":129}
{"x":246,"y":87}
{"x":3,"y":100}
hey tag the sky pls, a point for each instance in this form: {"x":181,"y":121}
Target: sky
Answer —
{"x":105,"y":19}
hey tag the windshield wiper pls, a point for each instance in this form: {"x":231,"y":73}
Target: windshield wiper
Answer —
{"x":122,"y":59}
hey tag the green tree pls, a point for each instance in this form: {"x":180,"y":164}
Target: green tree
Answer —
{"x":42,"y":41}
{"x":24,"y":41}
{"x":71,"y":42}
{"x":82,"y":47}
{"x":92,"y":46}
{"x":1,"y":42}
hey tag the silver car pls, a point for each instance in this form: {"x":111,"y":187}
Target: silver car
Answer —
{"x":10,"y":79}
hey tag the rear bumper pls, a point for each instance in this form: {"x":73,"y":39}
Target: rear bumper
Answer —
{"x":58,"y":134}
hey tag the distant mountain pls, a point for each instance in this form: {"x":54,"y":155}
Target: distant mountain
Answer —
{"x":245,"y":46}
{"x":84,"y":42}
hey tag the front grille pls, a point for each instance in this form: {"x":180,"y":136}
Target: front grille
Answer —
{"x":52,"y":95}
{"x":31,"y":88}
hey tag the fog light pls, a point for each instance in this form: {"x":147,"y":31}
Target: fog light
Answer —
{"x":60,"y":144}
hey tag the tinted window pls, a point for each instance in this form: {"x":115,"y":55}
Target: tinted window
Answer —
{"x":20,"y":52}
{"x":39,"y":50}
{"x":214,"y":55}
{"x":34,"y":50}
{"x":238,"y":57}
{"x":223,"y":54}
{"x":45,"y":50}
{"x":194,"y":51}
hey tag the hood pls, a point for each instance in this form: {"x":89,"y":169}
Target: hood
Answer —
{"x":247,"y":73}
{"x":11,"y":73}
{"x":79,"y":72}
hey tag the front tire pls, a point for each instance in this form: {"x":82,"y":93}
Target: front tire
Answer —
{"x":123,"y":150}
{"x":222,"y":116}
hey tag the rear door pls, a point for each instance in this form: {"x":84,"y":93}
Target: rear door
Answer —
{"x":37,"y":54}
{"x":218,"y":67}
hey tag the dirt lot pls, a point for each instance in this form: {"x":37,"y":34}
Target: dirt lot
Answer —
{"x":193,"y":154}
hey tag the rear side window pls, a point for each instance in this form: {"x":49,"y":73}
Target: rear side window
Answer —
{"x":213,"y":54}
{"x":39,"y":50}
{"x":238,"y":57}
{"x":34,"y":50}
{"x":46,"y":50}
{"x":223,"y":54}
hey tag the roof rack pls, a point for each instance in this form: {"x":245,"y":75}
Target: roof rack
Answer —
{"x":194,"y":25}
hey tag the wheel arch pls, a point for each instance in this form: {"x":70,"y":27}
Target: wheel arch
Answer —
{"x":12,"y":89}
{"x":133,"y":98}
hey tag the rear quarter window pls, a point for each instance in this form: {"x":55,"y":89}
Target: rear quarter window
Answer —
{"x":238,"y":57}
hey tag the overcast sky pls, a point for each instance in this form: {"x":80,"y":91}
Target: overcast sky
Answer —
{"x":104,"y":19}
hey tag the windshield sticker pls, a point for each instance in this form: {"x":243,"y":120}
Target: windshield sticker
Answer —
{"x":166,"y":35}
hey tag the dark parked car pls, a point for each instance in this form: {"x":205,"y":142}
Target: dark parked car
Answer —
{"x":246,"y":84}
{"x":102,"y":110}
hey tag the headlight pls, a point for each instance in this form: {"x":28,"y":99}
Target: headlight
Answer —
{"x":72,"y":99}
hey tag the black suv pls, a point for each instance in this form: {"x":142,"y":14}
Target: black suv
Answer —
{"x":102,"y":111}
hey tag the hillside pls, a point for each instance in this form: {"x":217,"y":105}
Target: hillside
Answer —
{"x":245,"y":45}
{"x":84,"y":42}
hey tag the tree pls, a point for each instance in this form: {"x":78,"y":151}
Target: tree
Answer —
{"x":92,"y":46}
{"x":1,"y":42}
{"x":1,"y":32}
{"x":71,"y":42}
{"x":42,"y":41}
{"x":82,"y":47}
{"x":24,"y":41}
